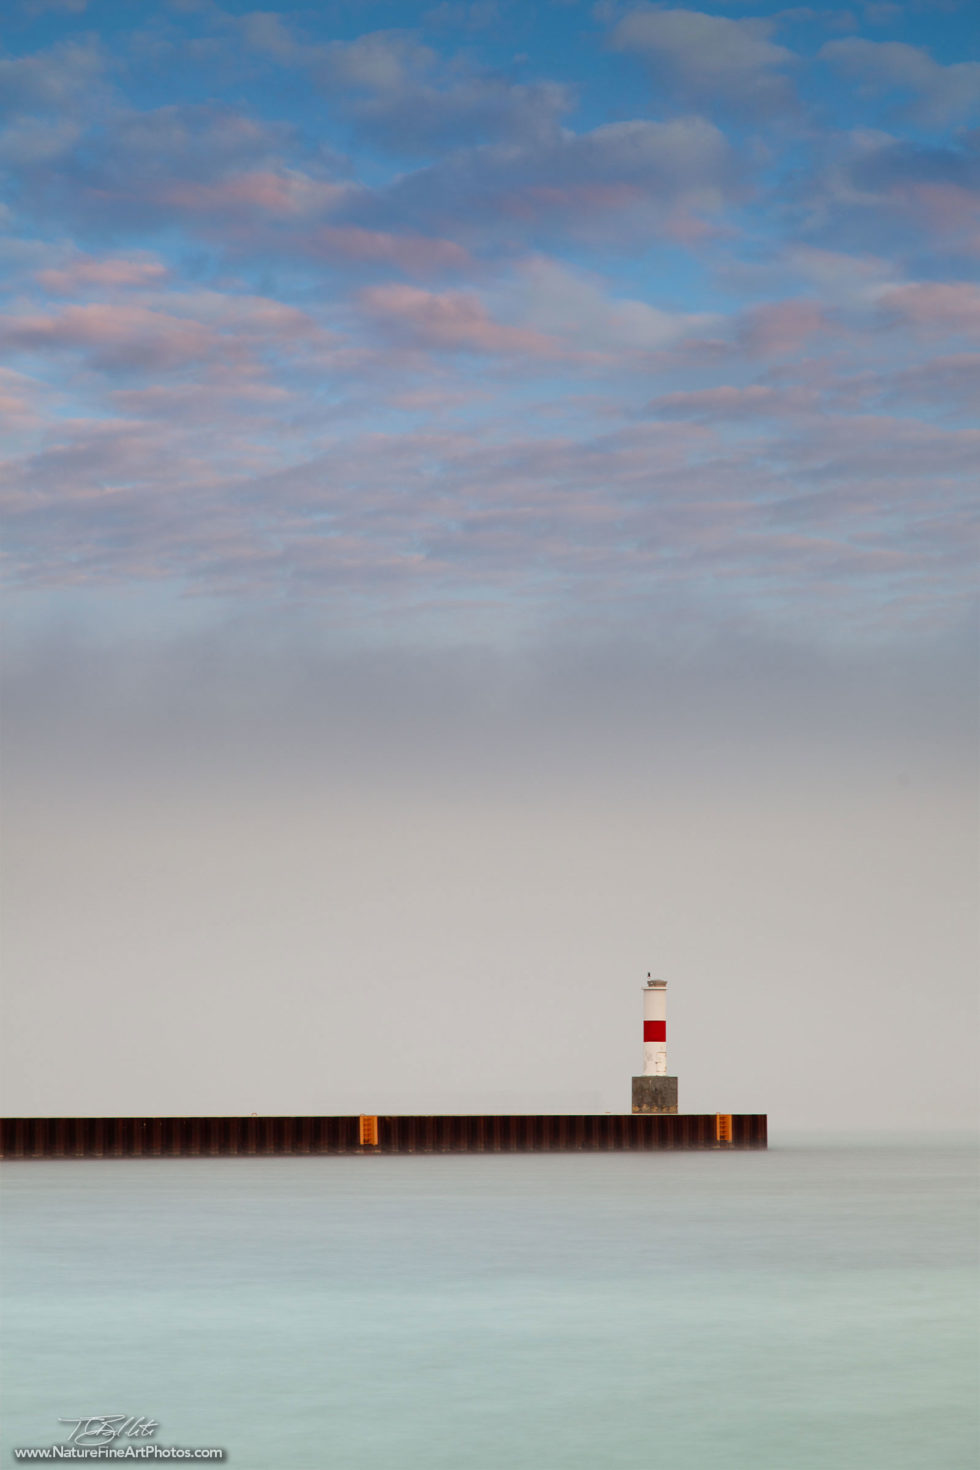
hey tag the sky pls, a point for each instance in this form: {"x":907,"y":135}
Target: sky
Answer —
{"x":488,"y":513}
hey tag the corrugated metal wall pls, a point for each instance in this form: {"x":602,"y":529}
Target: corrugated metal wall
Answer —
{"x":85,"y":1138}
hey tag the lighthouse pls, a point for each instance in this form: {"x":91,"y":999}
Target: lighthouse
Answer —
{"x":655,"y":1092}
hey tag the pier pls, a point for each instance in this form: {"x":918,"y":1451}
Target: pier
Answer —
{"x":469,"y":1133}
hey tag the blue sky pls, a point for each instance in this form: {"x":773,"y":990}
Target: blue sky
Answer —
{"x":537,"y":431}
{"x":422,"y":306}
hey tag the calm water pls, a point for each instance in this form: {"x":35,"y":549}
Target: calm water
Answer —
{"x":808,"y":1307}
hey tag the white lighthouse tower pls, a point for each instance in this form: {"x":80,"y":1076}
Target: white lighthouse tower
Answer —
{"x":655,"y":1092}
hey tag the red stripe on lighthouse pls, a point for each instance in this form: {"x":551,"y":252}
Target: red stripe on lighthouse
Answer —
{"x":654,"y":1030}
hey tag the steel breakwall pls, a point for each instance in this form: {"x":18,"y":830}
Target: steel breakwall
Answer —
{"x":99,"y":1138}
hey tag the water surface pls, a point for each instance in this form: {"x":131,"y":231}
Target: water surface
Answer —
{"x":809,"y":1308}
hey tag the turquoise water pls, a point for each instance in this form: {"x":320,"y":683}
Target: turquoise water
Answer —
{"x":812,"y":1306}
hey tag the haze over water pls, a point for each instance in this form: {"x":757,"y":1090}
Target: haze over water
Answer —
{"x":805,"y":1308}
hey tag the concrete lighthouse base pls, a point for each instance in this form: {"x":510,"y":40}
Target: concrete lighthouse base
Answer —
{"x":655,"y":1094}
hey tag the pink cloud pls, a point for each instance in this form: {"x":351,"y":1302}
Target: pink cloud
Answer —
{"x":780,"y":326}
{"x":687,"y":228}
{"x":110,"y":272}
{"x":202,"y":326}
{"x":936,"y":305}
{"x":414,"y":254}
{"x":951,"y":381}
{"x":438,"y":399}
{"x":532,"y":200}
{"x":260,"y":316}
{"x":453,"y":320}
{"x":216,"y":397}
{"x":943,"y":206}
{"x":873,"y":454}
{"x":118,"y":336}
{"x":729,"y":402}
{"x":18,"y":395}
{"x":287,"y":192}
